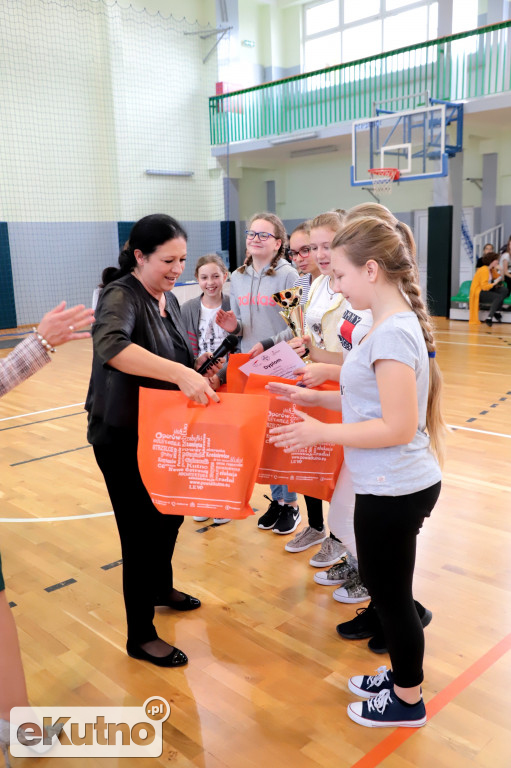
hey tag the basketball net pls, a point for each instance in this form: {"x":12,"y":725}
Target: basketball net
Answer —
{"x":382,"y":179}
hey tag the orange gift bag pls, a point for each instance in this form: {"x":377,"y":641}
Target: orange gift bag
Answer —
{"x":200,"y":460}
{"x":312,"y":471}
{"x":236,"y":379}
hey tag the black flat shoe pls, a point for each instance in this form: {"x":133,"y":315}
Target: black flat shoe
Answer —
{"x":175,"y":658}
{"x":188,"y":604}
{"x":489,"y":322}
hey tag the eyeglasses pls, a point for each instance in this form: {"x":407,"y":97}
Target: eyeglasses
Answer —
{"x":263,"y":236}
{"x":304,"y":251}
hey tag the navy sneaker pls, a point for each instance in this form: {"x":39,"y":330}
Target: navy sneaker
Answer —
{"x":385,"y":711}
{"x":270,"y":517}
{"x":367,"y":686}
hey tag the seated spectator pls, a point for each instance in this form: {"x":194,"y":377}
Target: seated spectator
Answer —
{"x":505,"y":265}
{"x":488,"y":248}
{"x":483,"y":290}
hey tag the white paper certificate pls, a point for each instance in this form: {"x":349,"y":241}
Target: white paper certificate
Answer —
{"x":279,"y":360}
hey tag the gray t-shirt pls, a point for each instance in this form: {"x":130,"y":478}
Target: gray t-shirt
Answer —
{"x":400,"y":469}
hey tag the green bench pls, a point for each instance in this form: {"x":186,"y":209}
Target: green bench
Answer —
{"x":464,"y":292}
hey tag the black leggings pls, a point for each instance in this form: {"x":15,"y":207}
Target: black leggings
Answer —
{"x":386,"y":529}
{"x":147,"y":538}
{"x":314,"y":512}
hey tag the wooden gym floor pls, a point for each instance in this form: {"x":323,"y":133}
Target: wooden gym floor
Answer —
{"x":267,"y":680}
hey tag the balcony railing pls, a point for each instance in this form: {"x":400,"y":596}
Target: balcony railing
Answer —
{"x":469,"y":65}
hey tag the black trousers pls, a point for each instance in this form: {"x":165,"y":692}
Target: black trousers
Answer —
{"x":147,"y":537}
{"x":494,"y":298}
{"x":386,"y":529}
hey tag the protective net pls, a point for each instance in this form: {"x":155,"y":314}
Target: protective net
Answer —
{"x":103,"y":119}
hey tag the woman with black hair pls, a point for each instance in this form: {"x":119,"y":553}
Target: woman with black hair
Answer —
{"x":139,"y":340}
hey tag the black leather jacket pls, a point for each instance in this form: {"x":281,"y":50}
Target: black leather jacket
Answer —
{"x":127,"y":314}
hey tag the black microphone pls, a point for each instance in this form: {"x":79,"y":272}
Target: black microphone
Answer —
{"x":229,"y":344}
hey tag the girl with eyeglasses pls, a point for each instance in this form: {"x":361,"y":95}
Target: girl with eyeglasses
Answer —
{"x":255,"y":316}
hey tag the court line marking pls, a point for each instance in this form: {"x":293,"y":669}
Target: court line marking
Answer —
{"x":486,"y":346}
{"x":481,"y":431}
{"x":49,"y":455}
{"x":398,"y":737}
{"x":42,"y":421}
{"x":53,"y":519}
{"x":46,"y":410}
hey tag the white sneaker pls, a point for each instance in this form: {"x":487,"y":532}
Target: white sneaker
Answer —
{"x":345,"y":570}
{"x":200,"y":519}
{"x":331,"y":551}
{"x":353,"y":591}
{"x":221,"y":520}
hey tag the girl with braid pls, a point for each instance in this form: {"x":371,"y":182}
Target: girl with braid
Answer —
{"x":255,"y":317}
{"x":393,"y":434}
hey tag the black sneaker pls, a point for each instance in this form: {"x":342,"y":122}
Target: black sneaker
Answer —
{"x":377,"y":643}
{"x":271,"y":515}
{"x":365,"y":624}
{"x":289,"y":519}
{"x":498,"y":317}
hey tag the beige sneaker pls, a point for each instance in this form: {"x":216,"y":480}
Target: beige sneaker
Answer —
{"x":305,"y":539}
{"x":331,"y":552}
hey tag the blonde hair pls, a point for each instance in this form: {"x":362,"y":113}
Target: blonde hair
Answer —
{"x":331,"y":220}
{"x":280,"y":234}
{"x":305,"y":226}
{"x":389,"y":242}
{"x":210,"y":258}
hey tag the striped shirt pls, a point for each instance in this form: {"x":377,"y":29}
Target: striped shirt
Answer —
{"x":305,"y":282}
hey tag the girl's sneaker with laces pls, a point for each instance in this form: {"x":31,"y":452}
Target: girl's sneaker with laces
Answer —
{"x":371,"y":685}
{"x":385,"y":711}
{"x":344,"y":570}
{"x":353,"y":591}
{"x":331,"y":552}
{"x":306,"y":538}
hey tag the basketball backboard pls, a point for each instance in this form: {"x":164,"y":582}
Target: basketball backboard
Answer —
{"x":413,"y":141}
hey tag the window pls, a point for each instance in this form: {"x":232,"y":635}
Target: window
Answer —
{"x":319,"y":18}
{"x":338,"y":31}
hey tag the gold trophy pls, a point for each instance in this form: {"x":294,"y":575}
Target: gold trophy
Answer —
{"x":292,"y":312}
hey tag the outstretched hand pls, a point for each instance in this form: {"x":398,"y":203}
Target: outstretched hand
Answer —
{"x":61,"y":325}
{"x":226,"y":320}
{"x":293,"y":394}
{"x":300,"y":434}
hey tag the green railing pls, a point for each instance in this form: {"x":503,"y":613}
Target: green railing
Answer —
{"x":464,"y":66}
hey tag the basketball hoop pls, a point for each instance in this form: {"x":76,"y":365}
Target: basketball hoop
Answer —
{"x":382,"y":179}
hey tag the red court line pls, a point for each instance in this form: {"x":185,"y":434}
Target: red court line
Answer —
{"x":437,"y":703}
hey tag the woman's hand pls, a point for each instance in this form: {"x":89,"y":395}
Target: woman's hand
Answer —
{"x":300,"y":434}
{"x":195,"y":386}
{"x":292,"y":394}
{"x":257,"y":349}
{"x":226,"y":320}
{"x":60,"y":325}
